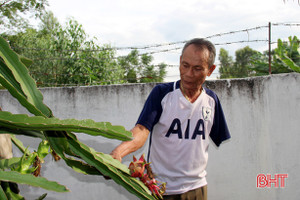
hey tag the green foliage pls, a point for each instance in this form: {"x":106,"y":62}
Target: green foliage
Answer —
{"x":138,"y":68}
{"x":31,"y":180}
{"x":64,"y":144}
{"x":64,"y":55}
{"x":88,"y":126}
{"x":15,"y":77}
{"x":238,"y":68}
{"x":243,"y":58}
{"x":248,"y":62}
{"x":285,"y":59}
{"x":12,"y":13}
{"x":226,"y":64}
{"x":288,"y":53}
{"x":21,"y":169}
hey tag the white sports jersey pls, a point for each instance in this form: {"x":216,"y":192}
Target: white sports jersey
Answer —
{"x":179,"y":135}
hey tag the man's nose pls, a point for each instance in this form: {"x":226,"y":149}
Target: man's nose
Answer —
{"x":189,"y":72}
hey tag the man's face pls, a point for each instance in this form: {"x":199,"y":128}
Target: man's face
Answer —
{"x":194,"y":67}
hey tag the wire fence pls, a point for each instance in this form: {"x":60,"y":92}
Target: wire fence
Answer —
{"x":260,"y":36}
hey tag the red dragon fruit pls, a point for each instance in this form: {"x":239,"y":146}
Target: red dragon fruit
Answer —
{"x":137,"y":169}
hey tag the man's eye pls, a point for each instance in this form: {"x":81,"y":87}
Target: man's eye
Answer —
{"x":199,"y":69}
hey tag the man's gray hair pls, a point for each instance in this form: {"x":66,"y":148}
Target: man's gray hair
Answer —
{"x":203,"y":43}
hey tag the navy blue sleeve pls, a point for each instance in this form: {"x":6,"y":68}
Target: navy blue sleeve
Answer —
{"x":152,"y":110}
{"x":219,"y":131}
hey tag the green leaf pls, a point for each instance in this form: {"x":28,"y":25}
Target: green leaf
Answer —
{"x":26,"y":61}
{"x":7,"y":75}
{"x":131,"y":184}
{"x":32,"y":180}
{"x":81,"y":167}
{"x":42,"y":197}
{"x":37,"y":123}
{"x":58,"y":142}
{"x":14,"y":76}
{"x":43,"y":150}
{"x":100,"y":164}
{"x":113,"y":162}
{"x":10,"y":192}
{"x":15,"y":90}
{"x":21,"y":75}
{"x":2,"y":194}
{"x":290,"y":63}
{"x":18,"y":143}
{"x":26,"y":162}
{"x":8,"y":188}
{"x":9,"y":163}
{"x":294,"y":44}
{"x":37,"y":134}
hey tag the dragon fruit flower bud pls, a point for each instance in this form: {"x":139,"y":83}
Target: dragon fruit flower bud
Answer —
{"x":137,"y":167}
{"x":142,"y":159}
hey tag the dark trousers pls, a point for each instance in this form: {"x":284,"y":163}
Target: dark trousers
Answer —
{"x":197,"y":194}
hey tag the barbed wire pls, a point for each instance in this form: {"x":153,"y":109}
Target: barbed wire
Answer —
{"x":102,"y":82}
{"x":286,"y":24}
{"x":109,"y":81}
{"x":107,"y":70}
{"x":150,"y":50}
{"x":143,"y":47}
{"x":216,"y":44}
{"x":149,"y":53}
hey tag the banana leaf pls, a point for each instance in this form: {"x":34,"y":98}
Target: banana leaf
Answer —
{"x":289,"y":63}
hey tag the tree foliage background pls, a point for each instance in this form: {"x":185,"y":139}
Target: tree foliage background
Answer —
{"x":248,"y":62}
{"x":65,"y":54}
{"x":12,"y":13}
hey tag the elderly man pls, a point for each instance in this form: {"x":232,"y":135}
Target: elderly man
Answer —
{"x":179,"y":117}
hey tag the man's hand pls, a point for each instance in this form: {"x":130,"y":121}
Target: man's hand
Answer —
{"x":116,"y":155}
{"x":140,"y":135}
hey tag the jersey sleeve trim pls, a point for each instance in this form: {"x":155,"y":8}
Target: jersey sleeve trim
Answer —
{"x":219,"y":131}
{"x":152,"y":108}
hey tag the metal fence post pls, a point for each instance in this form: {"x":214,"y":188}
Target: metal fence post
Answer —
{"x":270,"y":71}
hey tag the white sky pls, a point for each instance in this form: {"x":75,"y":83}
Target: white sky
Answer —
{"x":143,"y":22}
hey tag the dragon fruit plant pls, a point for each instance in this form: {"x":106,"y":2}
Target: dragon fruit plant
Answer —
{"x":137,"y":169}
{"x":59,"y":134}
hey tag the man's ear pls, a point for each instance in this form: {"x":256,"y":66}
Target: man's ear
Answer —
{"x":211,"y":69}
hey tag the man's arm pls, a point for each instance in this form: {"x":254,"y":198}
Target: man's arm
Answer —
{"x":140,"y":135}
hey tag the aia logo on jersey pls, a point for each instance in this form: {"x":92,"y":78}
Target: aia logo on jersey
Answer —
{"x":175,"y":128}
{"x":206,"y":113}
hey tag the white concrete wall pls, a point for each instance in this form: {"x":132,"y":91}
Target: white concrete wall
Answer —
{"x":262,"y":115}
